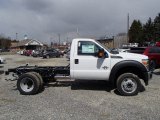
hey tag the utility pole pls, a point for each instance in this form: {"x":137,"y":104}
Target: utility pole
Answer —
{"x":59,"y":38}
{"x":16,"y":36}
{"x":128,"y":28}
{"x":77,"y":32}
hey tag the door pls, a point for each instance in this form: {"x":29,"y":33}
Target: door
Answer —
{"x":86,"y":63}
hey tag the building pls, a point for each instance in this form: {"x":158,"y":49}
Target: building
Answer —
{"x":108,"y":42}
{"x":27,"y":44}
{"x":120,"y":40}
{"x":115,"y":42}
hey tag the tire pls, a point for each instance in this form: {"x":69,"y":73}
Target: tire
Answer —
{"x":60,"y":55}
{"x":128,"y":84}
{"x":47,"y":56}
{"x":40,"y":79}
{"x":152,"y":65}
{"x":28,"y":84}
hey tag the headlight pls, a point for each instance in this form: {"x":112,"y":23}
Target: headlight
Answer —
{"x":145,"y":62}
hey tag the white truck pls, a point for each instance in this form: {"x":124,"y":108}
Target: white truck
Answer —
{"x":89,"y":60}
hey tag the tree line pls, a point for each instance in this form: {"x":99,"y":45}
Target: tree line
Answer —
{"x":148,"y":32}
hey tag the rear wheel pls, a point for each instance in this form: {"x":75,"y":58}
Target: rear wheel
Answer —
{"x":47,"y":56}
{"x":40,"y":80}
{"x":128,"y":84}
{"x":28,"y":84}
{"x":61,"y":56}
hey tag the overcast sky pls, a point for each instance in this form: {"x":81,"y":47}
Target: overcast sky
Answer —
{"x":45,"y":19}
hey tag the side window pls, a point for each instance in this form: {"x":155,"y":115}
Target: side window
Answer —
{"x":87,"y":48}
{"x":154,"y":50}
{"x":158,"y":50}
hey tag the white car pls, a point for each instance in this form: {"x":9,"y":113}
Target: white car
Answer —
{"x":20,"y":52}
{"x":2,"y":60}
{"x":123,"y":50}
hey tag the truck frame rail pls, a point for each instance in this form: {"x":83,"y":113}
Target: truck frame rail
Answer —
{"x":46,"y":72}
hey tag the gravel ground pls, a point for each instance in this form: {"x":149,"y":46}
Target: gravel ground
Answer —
{"x":69,"y":100}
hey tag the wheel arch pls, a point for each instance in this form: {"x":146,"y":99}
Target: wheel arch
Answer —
{"x":128,"y":66}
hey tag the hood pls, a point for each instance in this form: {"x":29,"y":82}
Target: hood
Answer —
{"x":131,"y":56}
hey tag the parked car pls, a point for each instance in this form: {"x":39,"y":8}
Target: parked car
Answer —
{"x":28,"y":52}
{"x":2,"y":60}
{"x":123,"y":50}
{"x":38,"y":53}
{"x":130,"y":45}
{"x":158,"y":44}
{"x":51,"y":53}
{"x":138,"y":50}
{"x":154,"y":55}
{"x":61,"y":52}
{"x":4,"y":50}
{"x":66,"y":51}
{"x":20,"y":52}
{"x":68,"y":55}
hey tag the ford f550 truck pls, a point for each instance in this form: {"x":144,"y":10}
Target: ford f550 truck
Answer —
{"x":89,"y":60}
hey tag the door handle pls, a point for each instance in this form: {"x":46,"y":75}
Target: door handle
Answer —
{"x":76,"y":61}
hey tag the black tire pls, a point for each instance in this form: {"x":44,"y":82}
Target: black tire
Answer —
{"x":28,"y":84}
{"x":60,"y":55}
{"x":128,"y":84}
{"x":152,"y":65}
{"x":40,"y":79}
{"x":47,"y":56}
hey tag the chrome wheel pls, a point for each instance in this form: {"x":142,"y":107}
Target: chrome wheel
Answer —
{"x":27,"y":84}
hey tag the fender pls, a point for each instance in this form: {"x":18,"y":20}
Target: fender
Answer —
{"x":129,"y":63}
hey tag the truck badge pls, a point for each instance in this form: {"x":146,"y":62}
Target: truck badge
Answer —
{"x":105,"y":67}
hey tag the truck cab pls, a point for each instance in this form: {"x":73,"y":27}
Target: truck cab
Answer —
{"x":89,"y":60}
{"x":85,"y":62}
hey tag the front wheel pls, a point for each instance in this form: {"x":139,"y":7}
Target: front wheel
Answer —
{"x":128,"y":84}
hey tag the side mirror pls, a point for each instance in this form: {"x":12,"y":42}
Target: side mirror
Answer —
{"x":101,"y":53}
